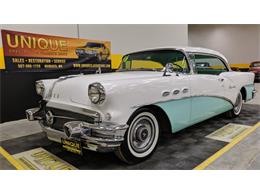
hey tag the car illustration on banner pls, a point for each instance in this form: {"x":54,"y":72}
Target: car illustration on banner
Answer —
{"x":156,"y":90}
{"x":93,"y":50}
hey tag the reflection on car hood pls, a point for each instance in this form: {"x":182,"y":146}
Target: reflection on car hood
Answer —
{"x":115,"y":76}
{"x":77,"y":85}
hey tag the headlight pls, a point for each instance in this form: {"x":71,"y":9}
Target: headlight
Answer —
{"x":40,"y":89}
{"x":96,"y":93}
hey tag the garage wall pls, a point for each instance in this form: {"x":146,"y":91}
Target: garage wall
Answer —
{"x":66,"y":30}
{"x":128,"y":38}
{"x":239,"y":43}
{"x":259,"y":43}
{"x":124,"y":38}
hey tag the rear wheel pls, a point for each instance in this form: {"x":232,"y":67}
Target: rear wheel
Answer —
{"x":237,"y":107}
{"x":141,"y":137}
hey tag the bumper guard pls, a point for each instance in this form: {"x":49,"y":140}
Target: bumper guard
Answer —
{"x":103,"y":137}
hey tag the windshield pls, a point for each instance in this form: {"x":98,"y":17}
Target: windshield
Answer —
{"x":154,"y":60}
{"x":90,"y":44}
{"x":256,"y":64}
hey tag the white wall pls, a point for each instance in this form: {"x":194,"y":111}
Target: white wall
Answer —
{"x":124,"y":38}
{"x":128,"y":38}
{"x":259,"y":43}
{"x":66,"y":30}
{"x":239,"y":43}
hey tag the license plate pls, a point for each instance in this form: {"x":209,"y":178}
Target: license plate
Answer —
{"x":72,"y":146}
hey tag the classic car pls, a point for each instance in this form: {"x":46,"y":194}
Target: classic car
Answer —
{"x":255,"y":68}
{"x":157,"y":90}
{"x":93,"y":50}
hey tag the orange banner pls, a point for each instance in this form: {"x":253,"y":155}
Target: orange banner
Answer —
{"x":36,"y":51}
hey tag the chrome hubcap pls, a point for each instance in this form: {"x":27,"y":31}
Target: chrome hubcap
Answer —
{"x":238,"y":104}
{"x":142,"y":134}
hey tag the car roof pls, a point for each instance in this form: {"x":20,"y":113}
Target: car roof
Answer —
{"x":188,"y":50}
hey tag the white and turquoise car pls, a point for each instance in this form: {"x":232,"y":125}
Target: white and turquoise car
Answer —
{"x":166,"y":89}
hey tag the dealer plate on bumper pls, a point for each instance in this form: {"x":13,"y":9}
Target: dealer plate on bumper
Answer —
{"x":72,"y":146}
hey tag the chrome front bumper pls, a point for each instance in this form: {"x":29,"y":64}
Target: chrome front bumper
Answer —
{"x":102,"y":137}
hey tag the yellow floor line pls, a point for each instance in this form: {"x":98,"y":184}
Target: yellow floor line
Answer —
{"x":222,"y":151}
{"x":10,"y":159}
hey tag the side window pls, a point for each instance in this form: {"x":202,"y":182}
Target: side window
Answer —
{"x":207,"y":64}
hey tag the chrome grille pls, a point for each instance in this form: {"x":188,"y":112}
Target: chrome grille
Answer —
{"x":63,"y":116}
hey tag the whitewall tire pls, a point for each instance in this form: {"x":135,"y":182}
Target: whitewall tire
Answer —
{"x":237,"y":107}
{"x":141,"y":137}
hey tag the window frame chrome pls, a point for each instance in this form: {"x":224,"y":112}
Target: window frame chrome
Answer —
{"x":208,"y":54}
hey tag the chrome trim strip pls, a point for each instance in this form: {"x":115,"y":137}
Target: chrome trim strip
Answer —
{"x":188,"y":60}
{"x":209,"y":54}
{"x":62,"y":78}
{"x":221,"y":97}
{"x":79,"y":110}
{"x":63,"y":117}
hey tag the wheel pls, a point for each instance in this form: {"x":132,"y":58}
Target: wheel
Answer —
{"x":237,"y":107}
{"x":141,"y":138}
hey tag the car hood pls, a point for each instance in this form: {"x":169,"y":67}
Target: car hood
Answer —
{"x":75,"y":87}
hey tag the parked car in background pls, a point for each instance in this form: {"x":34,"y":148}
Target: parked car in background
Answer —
{"x":166,"y":89}
{"x":255,"y":68}
{"x":93,"y":50}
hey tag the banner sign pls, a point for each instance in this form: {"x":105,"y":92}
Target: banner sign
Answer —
{"x":37,"y":52}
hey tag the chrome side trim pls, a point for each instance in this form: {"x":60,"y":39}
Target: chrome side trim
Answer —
{"x":221,"y":97}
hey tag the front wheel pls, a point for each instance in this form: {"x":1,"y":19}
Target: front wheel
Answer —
{"x":141,"y":138}
{"x":237,"y":107}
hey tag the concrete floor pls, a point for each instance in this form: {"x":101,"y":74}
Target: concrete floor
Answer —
{"x":19,"y":128}
{"x":245,"y":155}
{"x":180,"y":151}
{"x":183,"y":150}
{"x":4,"y":164}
